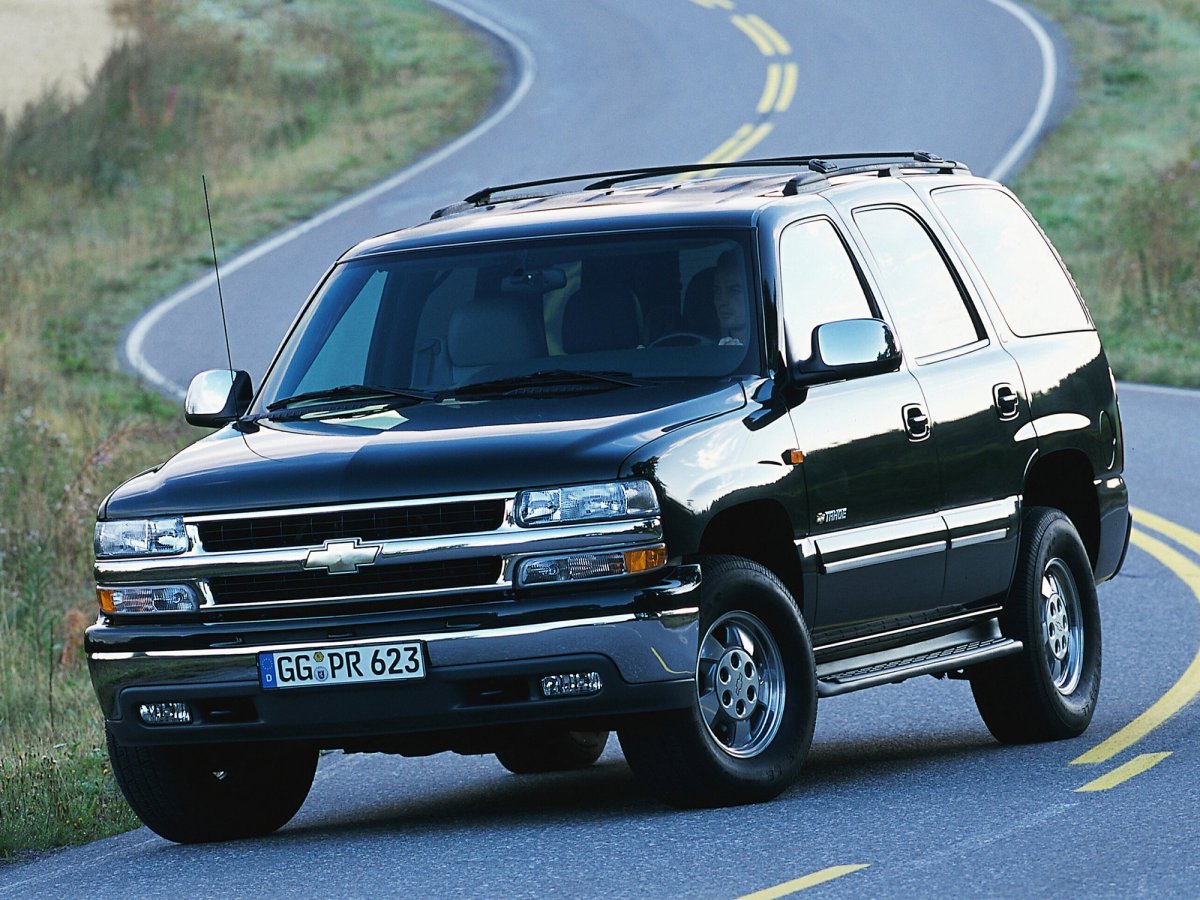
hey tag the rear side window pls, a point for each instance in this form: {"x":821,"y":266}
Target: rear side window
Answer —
{"x":1022,"y":272}
{"x":917,"y":286}
{"x":819,"y":283}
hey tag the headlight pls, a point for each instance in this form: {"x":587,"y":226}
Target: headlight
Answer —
{"x":140,"y":537}
{"x":586,"y":503}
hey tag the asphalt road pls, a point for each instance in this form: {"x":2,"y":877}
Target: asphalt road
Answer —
{"x":906,"y":794}
{"x":610,"y":84}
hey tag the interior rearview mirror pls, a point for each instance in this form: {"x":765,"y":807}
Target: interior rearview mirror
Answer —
{"x":534,"y":281}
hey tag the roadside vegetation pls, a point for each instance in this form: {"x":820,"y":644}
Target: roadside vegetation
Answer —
{"x":286,"y":106}
{"x":1117,"y":185}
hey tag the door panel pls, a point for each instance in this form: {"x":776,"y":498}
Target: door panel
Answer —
{"x":974,"y":390}
{"x":982,"y":463}
{"x":870,"y":471}
{"x":871,"y":492}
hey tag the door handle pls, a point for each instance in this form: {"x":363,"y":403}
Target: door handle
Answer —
{"x":916,"y":422}
{"x":1007,"y":401}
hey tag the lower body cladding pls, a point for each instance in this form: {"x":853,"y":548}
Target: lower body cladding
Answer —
{"x":591,"y":668}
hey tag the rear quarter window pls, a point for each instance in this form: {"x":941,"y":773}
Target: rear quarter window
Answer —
{"x":1023,"y":273}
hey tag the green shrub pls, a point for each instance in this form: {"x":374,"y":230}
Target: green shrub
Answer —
{"x":1156,"y":263}
{"x":1116,"y":184}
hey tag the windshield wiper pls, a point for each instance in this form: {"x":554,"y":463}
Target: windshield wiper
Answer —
{"x":546,"y":378}
{"x":351,"y":392}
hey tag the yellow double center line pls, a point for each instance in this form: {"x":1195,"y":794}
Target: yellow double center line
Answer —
{"x":808,"y":881}
{"x":769,"y":41}
{"x":778,"y":92}
{"x":1183,"y":691}
{"x":780,"y":88}
{"x":743,"y":139}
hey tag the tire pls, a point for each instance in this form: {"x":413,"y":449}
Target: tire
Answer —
{"x":196,"y":794}
{"x":1048,"y":691}
{"x":747,"y":734}
{"x":552,"y":750}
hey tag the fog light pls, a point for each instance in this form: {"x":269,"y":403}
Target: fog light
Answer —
{"x":571,"y":684}
{"x":160,"y":598}
{"x":584,"y":566}
{"x":165,"y":713}
{"x":576,"y":567}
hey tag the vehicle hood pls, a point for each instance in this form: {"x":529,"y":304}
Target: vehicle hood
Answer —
{"x":425,"y":450}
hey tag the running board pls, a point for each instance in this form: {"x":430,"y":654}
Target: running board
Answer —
{"x":846,"y":675}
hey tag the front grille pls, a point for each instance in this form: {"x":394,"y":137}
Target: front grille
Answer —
{"x":382,"y":524}
{"x":393,"y":579}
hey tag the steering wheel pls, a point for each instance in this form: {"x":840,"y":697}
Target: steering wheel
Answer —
{"x":682,"y":339}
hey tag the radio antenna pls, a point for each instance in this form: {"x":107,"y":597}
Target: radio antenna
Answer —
{"x":217,"y":271}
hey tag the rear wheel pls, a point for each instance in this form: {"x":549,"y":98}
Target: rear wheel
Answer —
{"x":746,"y":735}
{"x":552,"y":750}
{"x":1049,"y":690}
{"x":194,"y":794}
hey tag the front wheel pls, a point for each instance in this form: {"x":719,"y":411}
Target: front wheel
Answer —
{"x":1048,"y":691}
{"x":747,"y":733}
{"x":218,"y":792}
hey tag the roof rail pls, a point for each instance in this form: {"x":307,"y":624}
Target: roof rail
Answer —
{"x":821,"y":166}
{"x":885,"y":164}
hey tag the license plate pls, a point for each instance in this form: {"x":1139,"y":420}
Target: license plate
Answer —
{"x":341,"y":665}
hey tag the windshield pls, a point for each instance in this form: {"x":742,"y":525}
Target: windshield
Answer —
{"x":627,"y":308}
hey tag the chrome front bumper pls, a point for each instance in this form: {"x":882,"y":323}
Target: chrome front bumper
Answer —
{"x":648,"y":654}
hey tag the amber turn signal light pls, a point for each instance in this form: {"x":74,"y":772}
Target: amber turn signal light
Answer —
{"x":645,"y":560}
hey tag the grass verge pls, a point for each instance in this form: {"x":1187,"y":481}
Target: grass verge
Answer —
{"x":1117,"y":185}
{"x":289,"y":105}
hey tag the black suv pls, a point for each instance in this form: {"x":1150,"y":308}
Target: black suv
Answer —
{"x":636,"y":451}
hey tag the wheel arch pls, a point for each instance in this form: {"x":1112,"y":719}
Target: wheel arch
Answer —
{"x":759,"y":530}
{"x":1064,"y":480}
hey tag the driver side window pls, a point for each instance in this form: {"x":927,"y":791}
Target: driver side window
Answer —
{"x":819,"y":283}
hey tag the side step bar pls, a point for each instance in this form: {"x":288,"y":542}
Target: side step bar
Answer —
{"x":935,"y":657}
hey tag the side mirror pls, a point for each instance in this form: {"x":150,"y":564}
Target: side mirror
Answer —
{"x":217,"y":397}
{"x":851,"y":348}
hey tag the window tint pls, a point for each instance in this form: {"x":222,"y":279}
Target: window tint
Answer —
{"x":344,"y":360}
{"x":929,"y":309}
{"x":440,"y":319}
{"x":819,"y":283}
{"x":1029,"y":284}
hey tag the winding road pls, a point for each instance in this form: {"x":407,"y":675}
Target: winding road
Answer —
{"x":906,"y":794}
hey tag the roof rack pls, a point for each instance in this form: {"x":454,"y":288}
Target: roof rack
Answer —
{"x":820,"y":167}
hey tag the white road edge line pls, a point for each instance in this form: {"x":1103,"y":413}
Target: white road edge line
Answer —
{"x":1189,"y":393}
{"x":526,"y":70}
{"x":1045,"y":97}
{"x":137,"y":336}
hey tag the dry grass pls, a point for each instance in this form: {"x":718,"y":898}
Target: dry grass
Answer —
{"x":287,"y":106}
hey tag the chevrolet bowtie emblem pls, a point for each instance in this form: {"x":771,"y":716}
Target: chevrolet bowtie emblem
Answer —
{"x":341,"y":557}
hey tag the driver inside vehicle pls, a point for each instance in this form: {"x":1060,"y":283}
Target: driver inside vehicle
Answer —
{"x":729,"y":299}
